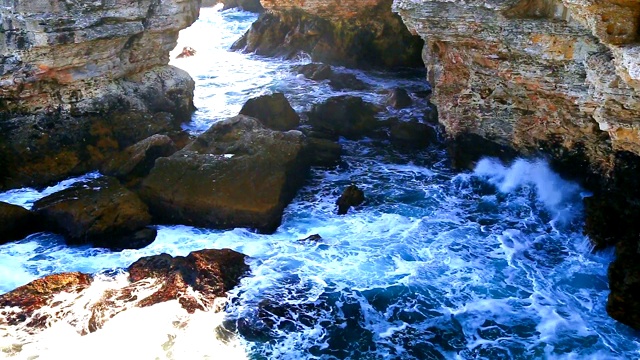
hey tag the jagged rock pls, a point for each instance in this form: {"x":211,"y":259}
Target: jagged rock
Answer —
{"x":399,"y":98}
{"x":100,"y":212}
{"x":351,"y":196}
{"x":16,"y":222}
{"x":347,"y":116}
{"x":338,"y":81}
{"x":69,"y":70}
{"x":187,"y":51}
{"x":210,"y":273}
{"x":138,"y":159}
{"x":236,"y":174}
{"x":354,"y":33}
{"x":273,"y":111}
{"x":315,"y":71}
{"x":412,"y":134}
{"x":29,"y":298}
{"x":323,"y":152}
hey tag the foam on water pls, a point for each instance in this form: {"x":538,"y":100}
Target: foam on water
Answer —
{"x":490,"y":264}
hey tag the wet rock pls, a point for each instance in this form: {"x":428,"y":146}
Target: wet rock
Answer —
{"x":351,"y":196}
{"x":412,"y":134}
{"x":338,"y":81}
{"x":355,"y":34}
{"x":210,"y":273}
{"x":29,"y":298}
{"x":99,"y":212}
{"x":315,"y":71}
{"x":399,"y":98}
{"x":347,"y":116}
{"x":16,"y":222}
{"x":273,"y":111}
{"x":236,"y":174}
{"x":311,"y":238}
{"x":323,"y":152}
{"x":246,"y":5}
{"x":624,"y":281}
{"x":138,"y":159}
{"x":187,"y":51}
{"x":465,"y":151}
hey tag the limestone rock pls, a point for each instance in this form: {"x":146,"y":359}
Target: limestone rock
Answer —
{"x":353,"y":33}
{"x":346,"y":115}
{"x":273,"y":111}
{"x":16,"y":222}
{"x":100,"y":211}
{"x":236,"y":174}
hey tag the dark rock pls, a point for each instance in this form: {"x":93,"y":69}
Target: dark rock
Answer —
{"x":137,"y":160}
{"x":399,"y":98}
{"x":236,"y":174}
{"x":99,"y":212}
{"x":16,"y":222}
{"x":29,"y":298}
{"x":412,"y":134}
{"x":338,"y":81}
{"x":323,"y":152}
{"x":211,"y":273}
{"x":311,"y":238}
{"x":431,"y":114}
{"x":347,"y":116}
{"x":273,"y":111}
{"x":137,"y":240}
{"x":187,"y":51}
{"x":352,"y":196}
{"x":246,"y":5}
{"x":465,"y":150}
{"x":624,"y":282}
{"x":375,"y":38}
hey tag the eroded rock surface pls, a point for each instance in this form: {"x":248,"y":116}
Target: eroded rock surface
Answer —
{"x":351,"y":33}
{"x":236,"y":174}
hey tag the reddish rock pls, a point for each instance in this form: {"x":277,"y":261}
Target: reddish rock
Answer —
{"x":211,"y":273}
{"x":187,"y":51}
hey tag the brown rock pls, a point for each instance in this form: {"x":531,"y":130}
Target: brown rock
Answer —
{"x":36,"y":294}
{"x":399,"y":98}
{"x":273,"y":111}
{"x":99,"y":212}
{"x":347,"y":116}
{"x":211,"y":273}
{"x":323,"y":152}
{"x":16,"y":222}
{"x":351,"y":196}
{"x":187,"y":51}
{"x":236,"y":174}
{"x":412,"y":134}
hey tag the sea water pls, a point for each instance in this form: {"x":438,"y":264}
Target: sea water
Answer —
{"x":487,"y":264}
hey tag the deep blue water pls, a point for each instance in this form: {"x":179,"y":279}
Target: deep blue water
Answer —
{"x":490,"y":264}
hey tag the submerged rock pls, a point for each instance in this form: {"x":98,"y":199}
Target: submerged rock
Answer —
{"x":210,"y":273}
{"x":29,"y":298}
{"x":351,"y":196}
{"x":273,"y":111}
{"x":346,"y":115}
{"x":16,"y":222}
{"x":338,"y":81}
{"x":100,"y":212}
{"x":236,"y":174}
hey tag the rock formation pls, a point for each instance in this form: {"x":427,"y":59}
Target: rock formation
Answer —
{"x":76,"y":77}
{"x":354,"y":33}
{"x":557,"y":76}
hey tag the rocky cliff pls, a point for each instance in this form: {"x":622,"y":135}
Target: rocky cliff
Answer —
{"x":550,"y":76}
{"x":68,"y":67}
{"x":353,"y":33}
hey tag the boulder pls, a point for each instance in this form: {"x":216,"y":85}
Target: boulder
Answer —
{"x":16,"y":222}
{"x":273,"y":111}
{"x":352,"y":196}
{"x":210,"y":273}
{"x":236,"y":174}
{"x":137,"y":160}
{"x":412,"y":134}
{"x":346,"y":115}
{"x":100,"y":212}
{"x":338,"y":81}
{"x":399,"y":98}
{"x":323,"y":152}
{"x":29,"y":298}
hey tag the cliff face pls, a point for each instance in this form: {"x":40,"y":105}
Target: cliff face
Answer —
{"x":72,"y":72}
{"x":558,"y":76}
{"x":353,"y":33}
{"x":530,"y":73}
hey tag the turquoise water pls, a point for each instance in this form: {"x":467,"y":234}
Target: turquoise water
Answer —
{"x":489,"y":264}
